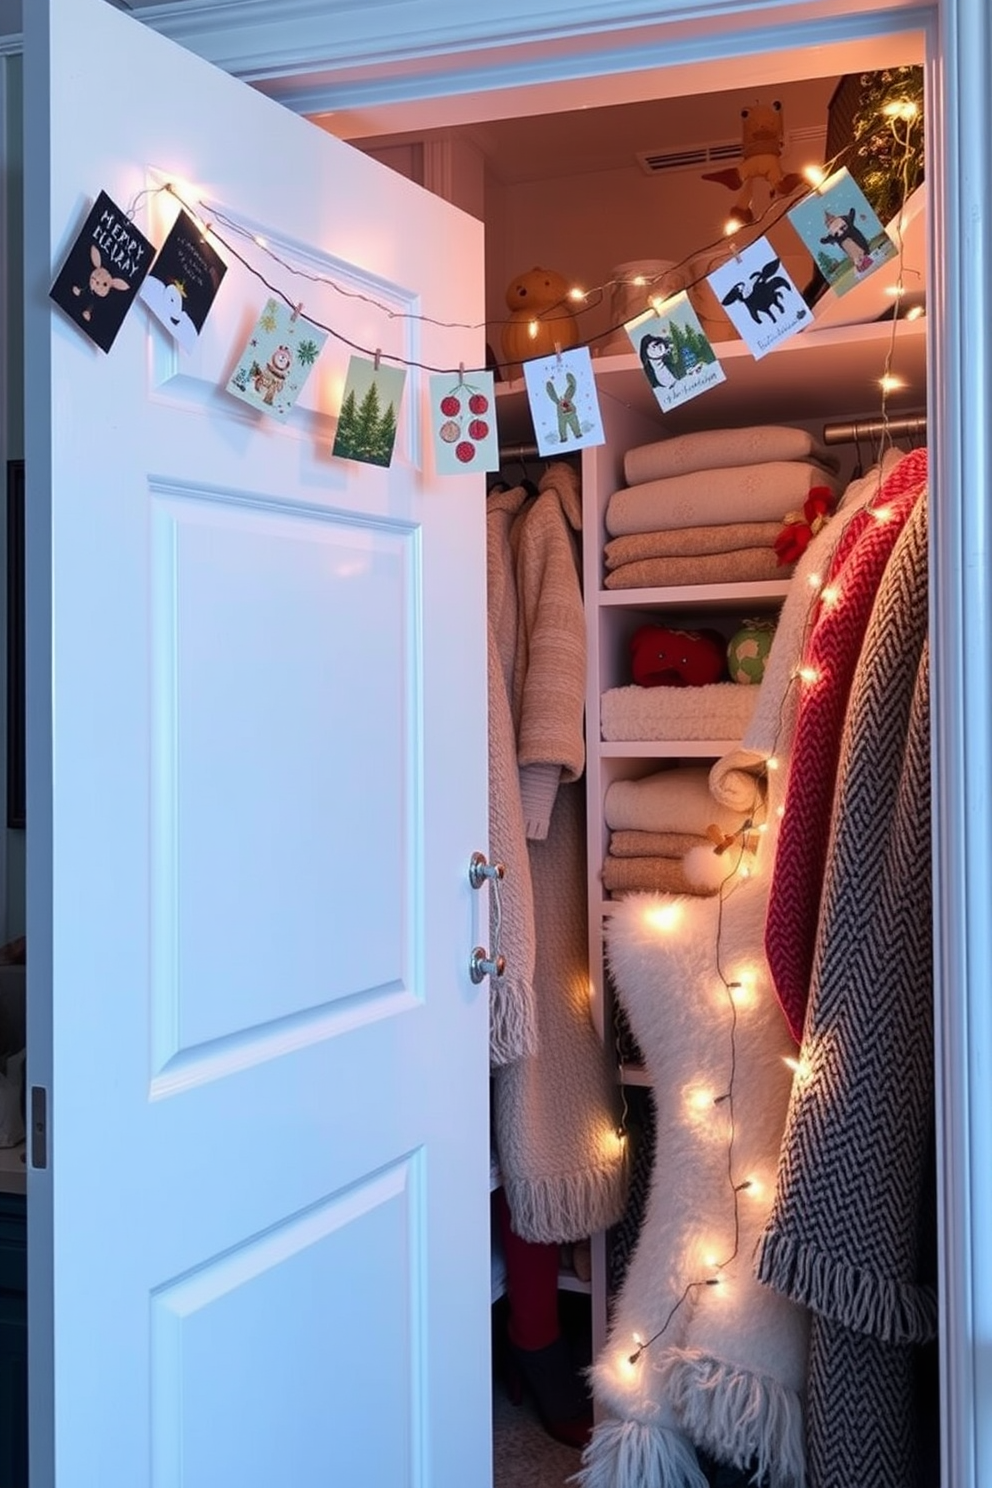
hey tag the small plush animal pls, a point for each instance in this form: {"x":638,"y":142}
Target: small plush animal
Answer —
{"x":101,"y":282}
{"x":662,"y":657}
{"x":762,"y":136}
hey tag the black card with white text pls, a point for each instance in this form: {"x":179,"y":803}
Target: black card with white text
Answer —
{"x":103,"y":272}
{"x":183,"y":281}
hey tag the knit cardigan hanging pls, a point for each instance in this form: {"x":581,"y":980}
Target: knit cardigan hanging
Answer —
{"x":839,"y":625}
{"x":554,"y":1105}
{"x":845,"y":1232}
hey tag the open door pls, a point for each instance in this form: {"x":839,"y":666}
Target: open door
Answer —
{"x":258,"y":1185}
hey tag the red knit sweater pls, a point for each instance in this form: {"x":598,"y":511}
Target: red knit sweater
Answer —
{"x":838,"y":628}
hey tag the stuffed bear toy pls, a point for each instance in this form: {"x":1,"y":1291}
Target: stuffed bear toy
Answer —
{"x":540,"y":318}
{"x":762,"y":140}
{"x":661,"y":657}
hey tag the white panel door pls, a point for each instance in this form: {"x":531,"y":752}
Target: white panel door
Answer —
{"x":259,"y":1245}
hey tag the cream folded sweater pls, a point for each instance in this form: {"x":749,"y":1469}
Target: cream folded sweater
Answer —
{"x":744,"y":493}
{"x":714,"y":449}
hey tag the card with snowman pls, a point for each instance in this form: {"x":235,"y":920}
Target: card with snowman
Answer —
{"x":463,"y":416}
{"x":277,"y":360}
{"x":182,"y":282}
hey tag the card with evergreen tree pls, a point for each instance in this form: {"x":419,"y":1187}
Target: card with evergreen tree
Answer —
{"x":277,"y":360}
{"x":369,"y":411}
{"x":463,"y":415}
{"x":183,"y":281}
{"x":675,"y":352}
{"x":102,"y":272}
{"x":842,"y":232}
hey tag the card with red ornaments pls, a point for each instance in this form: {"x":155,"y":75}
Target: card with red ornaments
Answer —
{"x":463,"y":415}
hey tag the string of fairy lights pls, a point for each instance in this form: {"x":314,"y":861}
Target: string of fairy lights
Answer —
{"x":745,"y":842}
{"x":222,"y":229}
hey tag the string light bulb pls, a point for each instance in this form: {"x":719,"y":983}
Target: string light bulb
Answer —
{"x":815,"y":175}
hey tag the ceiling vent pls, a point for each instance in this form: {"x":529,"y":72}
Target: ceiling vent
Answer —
{"x":722,"y":152}
{"x":688,"y":157}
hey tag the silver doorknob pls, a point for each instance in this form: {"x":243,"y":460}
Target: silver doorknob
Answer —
{"x":481,"y":965}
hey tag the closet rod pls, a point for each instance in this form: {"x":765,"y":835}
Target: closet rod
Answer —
{"x":869,"y":429}
{"x":510,"y":452}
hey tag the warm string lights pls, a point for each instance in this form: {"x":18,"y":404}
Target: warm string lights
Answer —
{"x":220,"y":227}
{"x":702,"y":1103}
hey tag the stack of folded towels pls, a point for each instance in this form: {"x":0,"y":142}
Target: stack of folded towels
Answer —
{"x":653,"y":822}
{"x":706,"y":508}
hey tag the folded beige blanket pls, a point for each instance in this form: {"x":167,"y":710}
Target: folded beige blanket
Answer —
{"x":745,"y":566}
{"x":675,"y":800}
{"x":655,"y":844}
{"x":714,"y":449}
{"x":649,"y":875}
{"x":681,"y":542}
{"x":720,"y":710}
{"x":743,"y":493}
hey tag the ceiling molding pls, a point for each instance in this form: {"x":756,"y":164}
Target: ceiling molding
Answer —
{"x":369,"y":52}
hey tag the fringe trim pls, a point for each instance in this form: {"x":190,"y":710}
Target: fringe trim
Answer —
{"x":748,"y":1421}
{"x":512,"y":1021}
{"x":864,"y":1301}
{"x":569,"y":1207}
{"x":631,"y":1454}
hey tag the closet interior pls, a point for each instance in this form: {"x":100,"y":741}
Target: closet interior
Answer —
{"x":613,"y":195}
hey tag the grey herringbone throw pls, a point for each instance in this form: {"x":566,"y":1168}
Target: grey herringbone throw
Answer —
{"x":844,"y":1234}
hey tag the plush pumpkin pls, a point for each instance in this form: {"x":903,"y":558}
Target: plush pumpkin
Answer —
{"x":661,"y":657}
{"x":538,"y":300}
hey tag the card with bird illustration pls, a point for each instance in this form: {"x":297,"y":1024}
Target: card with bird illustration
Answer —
{"x":760,"y":297}
{"x":678,"y":359}
{"x":842,"y":232}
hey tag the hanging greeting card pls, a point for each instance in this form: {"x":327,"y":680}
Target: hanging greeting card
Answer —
{"x":840,"y":229}
{"x":367,"y":421}
{"x":759,"y":296}
{"x":103,"y":271}
{"x":675,"y":352}
{"x":276,"y":363}
{"x":183,"y":281}
{"x":464,"y":418}
{"x":564,"y":406}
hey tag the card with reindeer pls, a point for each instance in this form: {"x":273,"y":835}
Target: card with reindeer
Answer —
{"x":102,"y":272}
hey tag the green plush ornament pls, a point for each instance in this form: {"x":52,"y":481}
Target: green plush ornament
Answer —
{"x":747,"y":650}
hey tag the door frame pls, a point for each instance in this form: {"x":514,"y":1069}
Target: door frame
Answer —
{"x":441,"y":56}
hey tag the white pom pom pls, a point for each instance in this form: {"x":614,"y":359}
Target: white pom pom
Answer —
{"x":706,"y":869}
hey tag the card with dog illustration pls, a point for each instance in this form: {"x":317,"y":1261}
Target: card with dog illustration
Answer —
{"x":564,"y":404}
{"x":103,"y":272}
{"x":675,"y":352}
{"x":276,"y":362}
{"x":760,"y":297}
{"x":182,"y":282}
{"x":841,"y":230}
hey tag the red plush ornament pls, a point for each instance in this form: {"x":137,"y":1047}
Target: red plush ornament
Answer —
{"x":800,"y":527}
{"x":677,"y":658}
